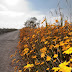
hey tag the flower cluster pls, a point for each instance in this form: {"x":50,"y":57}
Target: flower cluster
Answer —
{"x":46,"y":49}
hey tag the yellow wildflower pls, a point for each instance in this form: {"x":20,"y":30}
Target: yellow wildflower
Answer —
{"x":44,"y":49}
{"x":24,"y":38}
{"x":36,"y":62}
{"x":47,"y":69}
{"x":26,"y":50}
{"x":61,"y":43}
{"x":33,"y":36}
{"x":65,"y":43}
{"x":42,"y":55}
{"x":65,"y":69}
{"x":48,"y":58}
{"x":71,"y":60}
{"x":36,"y":40}
{"x":48,"y":37}
{"x":13,"y":60}
{"x":42,"y":63}
{"x":27,"y":38}
{"x":62,"y":67}
{"x":55,"y":56}
{"x":20,"y":71}
{"x":33,"y":45}
{"x":34,"y":56}
{"x":46,"y":42}
{"x":67,"y":40}
{"x":11,"y":56}
{"x":66,"y":37}
{"x":38,"y":32}
{"x":28,"y":66}
{"x":25,"y":45}
{"x":51,"y":46}
{"x":69,"y":51}
{"x":15,"y":68}
{"x":56,"y":46}
{"x":17,"y":61}
{"x":43,"y":39}
{"x":37,"y":71}
{"x":54,"y":60}
{"x":64,"y":64}
{"x":55,"y":69}
{"x":31,"y":42}
{"x":31,"y":51}
{"x":56,"y":21}
{"x":47,"y":51}
{"x":66,"y":21}
{"x":70,"y":33}
{"x":33,"y":48}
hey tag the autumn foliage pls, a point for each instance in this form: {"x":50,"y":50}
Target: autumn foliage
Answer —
{"x":46,"y":49}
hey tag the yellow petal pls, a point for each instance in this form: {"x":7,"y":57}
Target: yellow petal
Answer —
{"x":20,"y":71}
{"x":48,"y":58}
{"x":47,"y":69}
{"x":42,"y":55}
{"x":55,"y":55}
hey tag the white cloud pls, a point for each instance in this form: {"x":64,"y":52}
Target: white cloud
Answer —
{"x":11,"y":13}
{"x":5,"y":12}
{"x":26,"y":13}
{"x":3,"y":7}
{"x":12,"y":18}
{"x":19,"y":14}
{"x":11,"y":2}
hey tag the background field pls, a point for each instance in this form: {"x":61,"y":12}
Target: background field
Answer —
{"x":2,"y":31}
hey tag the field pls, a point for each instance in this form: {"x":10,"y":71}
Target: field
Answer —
{"x":2,"y":31}
{"x":45,"y":49}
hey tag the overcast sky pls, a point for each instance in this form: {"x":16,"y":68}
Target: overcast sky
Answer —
{"x":13,"y":13}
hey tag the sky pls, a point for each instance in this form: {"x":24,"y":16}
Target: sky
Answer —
{"x":14,"y":13}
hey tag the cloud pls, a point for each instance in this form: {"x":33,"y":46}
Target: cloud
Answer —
{"x":14,"y":18}
{"x":26,"y":13}
{"x":15,"y":14}
{"x":5,"y":12}
{"x":11,"y":13}
{"x":3,"y":7}
{"x":11,"y":2}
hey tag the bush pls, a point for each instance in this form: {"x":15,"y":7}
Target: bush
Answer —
{"x":46,"y":49}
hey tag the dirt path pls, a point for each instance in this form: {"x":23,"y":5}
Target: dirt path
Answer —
{"x":8,"y":44}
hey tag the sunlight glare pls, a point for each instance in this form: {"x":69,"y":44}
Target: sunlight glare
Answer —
{"x":11,"y":2}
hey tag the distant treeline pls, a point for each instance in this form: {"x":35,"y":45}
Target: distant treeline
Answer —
{"x":2,"y":31}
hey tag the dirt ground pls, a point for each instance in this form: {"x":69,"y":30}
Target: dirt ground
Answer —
{"x":8,"y":45}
